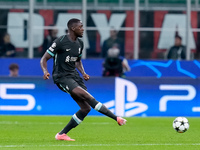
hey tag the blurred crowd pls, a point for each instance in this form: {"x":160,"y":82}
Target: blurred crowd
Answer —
{"x":112,"y":51}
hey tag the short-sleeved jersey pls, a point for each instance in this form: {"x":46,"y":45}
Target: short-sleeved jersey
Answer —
{"x":65,"y":53}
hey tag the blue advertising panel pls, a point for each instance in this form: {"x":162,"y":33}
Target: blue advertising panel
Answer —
{"x":139,"y":68}
{"x":149,"y":96}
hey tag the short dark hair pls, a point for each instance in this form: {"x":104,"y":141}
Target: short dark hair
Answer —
{"x":13,"y":66}
{"x":179,"y":37}
{"x":6,"y":33}
{"x":71,"y":22}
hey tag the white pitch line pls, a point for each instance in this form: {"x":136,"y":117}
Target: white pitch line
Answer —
{"x":106,"y":145}
{"x":16,"y":122}
{"x":29,"y":123}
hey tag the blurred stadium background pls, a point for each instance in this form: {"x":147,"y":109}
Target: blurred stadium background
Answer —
{"x":145,"y":17}
{"x":155,"y":86}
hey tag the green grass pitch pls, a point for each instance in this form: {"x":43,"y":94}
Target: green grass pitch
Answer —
{"x":96,"y":133}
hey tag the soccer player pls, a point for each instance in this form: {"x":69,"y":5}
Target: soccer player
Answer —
{"x":66,"y":52}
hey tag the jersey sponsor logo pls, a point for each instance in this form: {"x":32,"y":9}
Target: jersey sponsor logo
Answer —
{"x":51,"y":49}
{"x":68,"y":59}
{"x":68,"y":49}
{"x":74,"y":58}
{"x":53,"y":45}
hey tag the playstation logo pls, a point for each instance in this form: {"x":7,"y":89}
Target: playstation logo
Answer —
{"x":124,"y":104}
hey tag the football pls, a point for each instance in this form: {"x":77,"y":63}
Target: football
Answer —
{"x":181,"y":124}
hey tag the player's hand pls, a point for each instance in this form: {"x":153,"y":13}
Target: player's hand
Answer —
{"x":86,"y":77}
{"x":46,"y":75}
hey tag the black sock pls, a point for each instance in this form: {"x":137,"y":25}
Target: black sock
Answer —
{"x":102,"y":109}
{"x":75,"y":120}
{"x":81,"y":114}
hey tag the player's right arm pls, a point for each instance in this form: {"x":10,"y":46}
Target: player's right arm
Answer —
{"x":51,"y":51}
{"x":43,"y":64}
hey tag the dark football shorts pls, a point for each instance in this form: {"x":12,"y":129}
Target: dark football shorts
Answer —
{"x":67,"y":84}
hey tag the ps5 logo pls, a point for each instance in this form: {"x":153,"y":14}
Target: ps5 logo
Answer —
{"x":191,"y":94}
{"x":125,"y":95}
{"x":22,"y":97}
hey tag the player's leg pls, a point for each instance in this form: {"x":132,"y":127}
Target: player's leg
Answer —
{"x":66,"y":85}
{"x":78,"y":117}
{"x":82,"y":94}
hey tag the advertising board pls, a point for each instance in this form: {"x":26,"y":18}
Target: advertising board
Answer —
{"x":128,"y":97}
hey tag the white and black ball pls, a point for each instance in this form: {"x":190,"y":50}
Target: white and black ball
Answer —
{"x":181,"y":124}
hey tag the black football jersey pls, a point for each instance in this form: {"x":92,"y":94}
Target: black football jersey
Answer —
{"x":65,"y":53}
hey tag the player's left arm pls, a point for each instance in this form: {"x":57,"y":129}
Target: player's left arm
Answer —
{"x":80,"y":68}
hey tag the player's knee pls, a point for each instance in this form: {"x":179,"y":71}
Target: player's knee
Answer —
{"x":86,"y":109}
